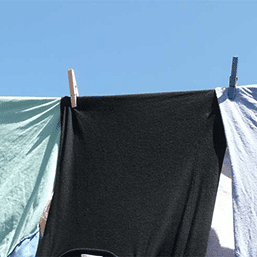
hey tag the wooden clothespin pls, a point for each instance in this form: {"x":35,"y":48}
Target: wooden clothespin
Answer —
{"x":233,"y":79}
{"x":73,"y":87}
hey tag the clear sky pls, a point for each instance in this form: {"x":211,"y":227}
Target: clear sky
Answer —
{"x":125,"y":46}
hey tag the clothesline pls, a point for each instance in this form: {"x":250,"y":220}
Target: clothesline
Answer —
{"x":233,"y":80}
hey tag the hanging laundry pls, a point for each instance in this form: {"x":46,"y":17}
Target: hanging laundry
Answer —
{"x":29,"y":143}
{"x":221,"y":237}
{"x":27,"y":247}
{"x":240,"y":123}
{"x":137,"y":176}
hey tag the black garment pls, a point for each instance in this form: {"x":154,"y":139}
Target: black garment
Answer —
{"x":137,"y":175}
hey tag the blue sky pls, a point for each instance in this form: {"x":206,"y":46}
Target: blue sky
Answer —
{"x":124,"y":46}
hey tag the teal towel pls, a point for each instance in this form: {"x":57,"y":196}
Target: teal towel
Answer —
{"x":29,"y":143}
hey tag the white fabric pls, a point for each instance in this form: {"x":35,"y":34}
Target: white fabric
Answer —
{"x":240,"y":123}
{"x":221,"y":237}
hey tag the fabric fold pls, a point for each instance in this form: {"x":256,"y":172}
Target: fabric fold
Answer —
{"x":137,"y":175}
{"x":221,"y":237}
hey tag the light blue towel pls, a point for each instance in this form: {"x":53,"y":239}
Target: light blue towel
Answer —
{"x":29,"y":143}
{"x":27,"y":247}
{"x":240,"y":123}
